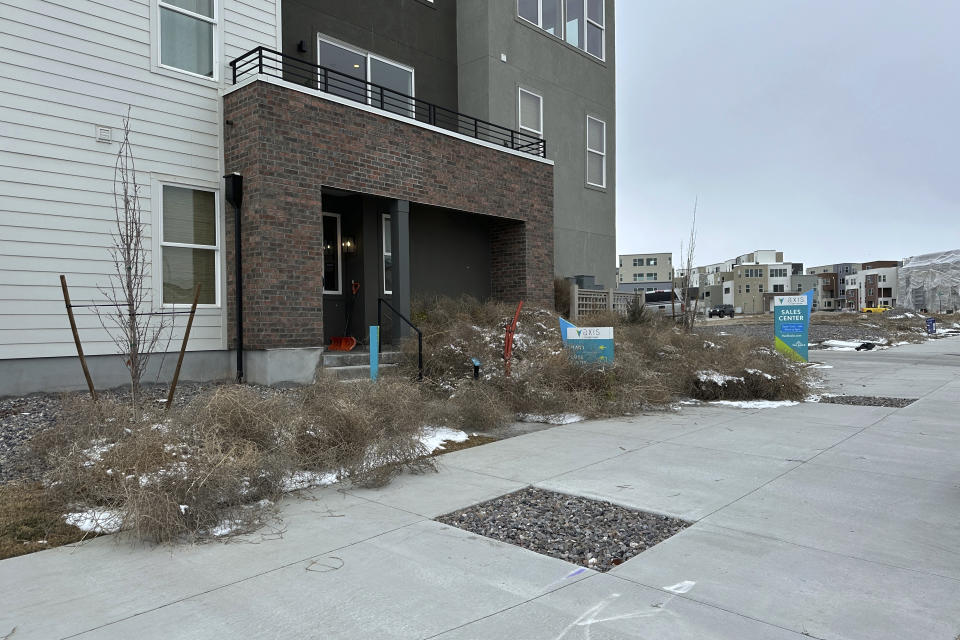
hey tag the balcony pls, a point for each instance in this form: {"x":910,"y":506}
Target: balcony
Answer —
{"x":267,"y":62}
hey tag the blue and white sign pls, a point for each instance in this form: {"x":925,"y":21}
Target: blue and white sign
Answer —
{"x":592,"y":345}
{"x":792,"y":325}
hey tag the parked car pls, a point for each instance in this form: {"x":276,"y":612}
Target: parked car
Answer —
{"x":874,"y":309}
{"x":721,"y":310}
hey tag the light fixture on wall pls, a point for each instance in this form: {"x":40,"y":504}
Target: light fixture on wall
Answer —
{"x":349,"y":246}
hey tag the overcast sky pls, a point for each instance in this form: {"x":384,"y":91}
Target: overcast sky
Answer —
{"x":825,"y":128}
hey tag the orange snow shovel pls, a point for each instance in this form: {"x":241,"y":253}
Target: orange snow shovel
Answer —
{"x":346,"y":342}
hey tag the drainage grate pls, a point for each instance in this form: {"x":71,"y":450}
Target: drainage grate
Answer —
{"x":869,"y":401}
{"x":596,"y":534}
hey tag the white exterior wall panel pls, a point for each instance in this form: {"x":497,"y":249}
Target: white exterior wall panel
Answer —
{"x":67,"y":66}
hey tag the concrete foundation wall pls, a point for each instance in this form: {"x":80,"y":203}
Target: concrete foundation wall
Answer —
{"x":31,"y":375}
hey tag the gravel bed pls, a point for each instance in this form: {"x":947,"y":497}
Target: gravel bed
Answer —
{"x":23,"y":417}
{"x":598,"y":535}
{"x":818,"y":332}
{"x":869,"y":401}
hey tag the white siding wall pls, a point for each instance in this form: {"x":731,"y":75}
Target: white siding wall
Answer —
{"x":65,"y":67}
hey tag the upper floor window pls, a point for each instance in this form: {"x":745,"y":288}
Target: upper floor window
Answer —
{"x":651,"y":262}
{"x":546,"y":14}
{"x":596,"y":152}
{"x":531,"y":112}
{"x":580,"y":22}
{"x":187,"y":35}
{"x":353,"y":68}
{"x":638,"y":262}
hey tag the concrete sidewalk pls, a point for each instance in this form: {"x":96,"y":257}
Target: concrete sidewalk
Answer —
{"x":817,"y":520}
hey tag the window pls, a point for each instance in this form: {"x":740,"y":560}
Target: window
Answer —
{"x":187,"y":36}
{"x":651,"y":262}
{"x":637,"y":277}
{"x":580,"y":22}
{"x":778,"y":288}
{"x":651,"y":276}
{"x":597,"y":154}
{"x":760,"y":288}
{"x":799,"y":287}
{"x":748,"y":288}
{"x":353,"y":68}
{"x":739,"y":289}
{"x":387,"y":256}
{"x":331,"y":253}
{"x":546,"y":14}
{"x":530,"y":112}
{"x":189,"y":244}
{"x":638,"y":262}
{"x":726,"y":289}
{"x":595,"y":26}
{"x":778,"y":273}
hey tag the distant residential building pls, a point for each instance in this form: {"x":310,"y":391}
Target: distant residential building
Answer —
{"x":830,"y":293}
{"x":645,"y":268}
{"x":875,"y":285}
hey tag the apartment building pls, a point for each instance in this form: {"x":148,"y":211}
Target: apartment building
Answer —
{"x":830,"y":291}
{"x":405,"y":147}
{"x":645,"y":271}
{"x":874,"y":285}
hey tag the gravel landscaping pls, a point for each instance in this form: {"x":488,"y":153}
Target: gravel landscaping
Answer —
{"x":818,"y":332}
{"x":598,"y":535}
{"x":869,"y":401}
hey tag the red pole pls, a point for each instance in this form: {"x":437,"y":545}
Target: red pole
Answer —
{"x":508,"y":343}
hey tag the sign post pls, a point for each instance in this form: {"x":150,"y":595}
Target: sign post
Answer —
{"x":590,"y":345}
{"x":792,"y":325}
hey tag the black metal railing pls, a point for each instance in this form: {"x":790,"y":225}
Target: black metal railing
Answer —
{"x":380,"y":303}
{"x":272,"y":63}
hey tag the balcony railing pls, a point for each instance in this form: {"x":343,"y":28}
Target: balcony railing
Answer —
{"x":272,"y":63}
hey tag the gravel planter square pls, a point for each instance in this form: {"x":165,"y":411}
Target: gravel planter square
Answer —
{"x":598,"y":535}
{"x":869,"y":401}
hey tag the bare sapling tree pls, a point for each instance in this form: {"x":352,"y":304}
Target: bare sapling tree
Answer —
{"x":131,"y":325}
{"x":690,"y":306}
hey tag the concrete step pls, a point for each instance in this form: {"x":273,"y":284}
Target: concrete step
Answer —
{"x":355,"y":372}
{"x":354,"y":358}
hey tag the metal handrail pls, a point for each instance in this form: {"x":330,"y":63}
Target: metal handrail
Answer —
{"x":264,"y":61}
{"x":380,"y":303}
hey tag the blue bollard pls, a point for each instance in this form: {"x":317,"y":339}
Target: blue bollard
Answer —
{"x":374,"y":352}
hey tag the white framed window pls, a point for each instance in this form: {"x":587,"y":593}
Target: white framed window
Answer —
{"x":595,"y":41}
{"x":596,"y":152}
{"x":188,"y":36}
{"x":189,"y":245}
{"x":637,"y":277}
{"x":581,"y":23}
{"x":387,"y":254}
{"x":530,"y":111}
{"x":651,"y":262}
{"x":332,"y":254}
{"x":546,"y":14}
{"x":355,"y":67}
{"x":638,"y":262}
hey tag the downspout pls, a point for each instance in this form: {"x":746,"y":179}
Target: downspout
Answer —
{"x":234,"y":194}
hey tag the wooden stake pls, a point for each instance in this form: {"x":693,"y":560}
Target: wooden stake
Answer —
{"x":183,"y":347}
{"x":76,"y":336}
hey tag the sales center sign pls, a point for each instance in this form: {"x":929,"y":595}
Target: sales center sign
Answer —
{"x":791,"y":326}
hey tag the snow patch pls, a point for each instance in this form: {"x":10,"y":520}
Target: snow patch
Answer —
{"x":557,"y":418}
{"x":95,"y":520}
{"x":307,"y":479}
{"x":434,"y":437}
{"x":757,"y":372}
{"x":756,"y":404}
{"x":716,"y":377}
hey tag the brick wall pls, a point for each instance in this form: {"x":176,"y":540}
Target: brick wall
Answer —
{"x":288,"y":145}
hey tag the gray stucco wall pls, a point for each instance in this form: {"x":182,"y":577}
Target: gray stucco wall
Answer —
{"x":573,"y":85}
{"x":449,"y":253}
